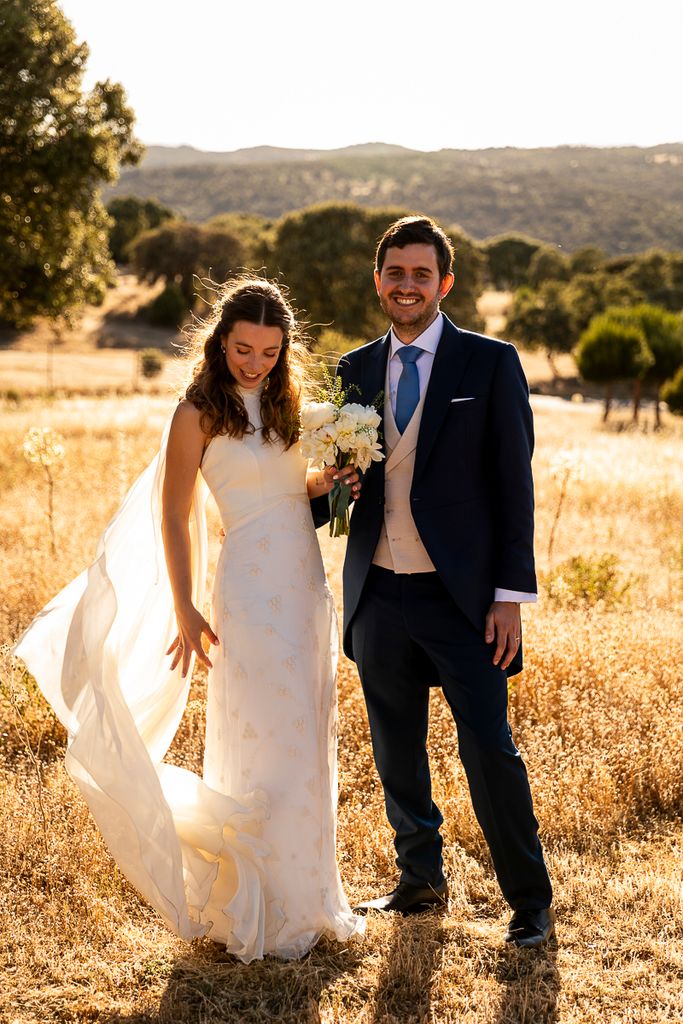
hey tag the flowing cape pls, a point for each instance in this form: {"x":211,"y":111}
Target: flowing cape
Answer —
{"x":97,"y":652}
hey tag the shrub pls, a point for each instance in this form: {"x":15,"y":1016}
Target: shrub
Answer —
{"x":335,"y":343}
{"x":168,"y":309}
{"x":151,"y":362}
{"x":586,"y":581}
{"x":672,"y":393}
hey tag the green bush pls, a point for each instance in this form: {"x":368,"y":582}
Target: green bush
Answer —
{"x":335,"y":343}
{"x":130,"y":217}
{"x":151,"y":362}
{"x":168,"y":309}
{"x":585,"y":581}
{"x":672,"y":393}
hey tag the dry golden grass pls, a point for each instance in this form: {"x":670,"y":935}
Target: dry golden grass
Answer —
{"x":96,"y":354}
{"x":598,"y":713}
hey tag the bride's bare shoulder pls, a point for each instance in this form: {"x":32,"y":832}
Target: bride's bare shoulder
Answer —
{"x":187,"y":416}
{"x":187,"y":436}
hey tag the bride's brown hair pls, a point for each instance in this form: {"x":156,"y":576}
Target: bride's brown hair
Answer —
{"x":213,"y":389}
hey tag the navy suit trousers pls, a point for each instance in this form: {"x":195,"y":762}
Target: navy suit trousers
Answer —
{"x":408,"y":634}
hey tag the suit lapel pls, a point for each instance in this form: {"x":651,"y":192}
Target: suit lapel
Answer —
{"x":450,"y":361}
{"x":373,"y":372}
{"x":372,"y":381}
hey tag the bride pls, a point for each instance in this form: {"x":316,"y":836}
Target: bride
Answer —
{"x":245,"y":855}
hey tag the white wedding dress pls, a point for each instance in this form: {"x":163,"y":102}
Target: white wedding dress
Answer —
{"x":246,"y":855}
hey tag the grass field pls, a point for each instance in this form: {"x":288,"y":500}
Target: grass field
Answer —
{"x":598,"y":713}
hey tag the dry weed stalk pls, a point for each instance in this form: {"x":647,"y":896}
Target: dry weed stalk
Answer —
{"x":45,"y":447}
{"x":563,"y":465}
{"x":10,"y":693}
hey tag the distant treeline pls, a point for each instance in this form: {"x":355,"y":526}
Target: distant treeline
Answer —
{"x":622,"y":199}
{"x":324,"y":254}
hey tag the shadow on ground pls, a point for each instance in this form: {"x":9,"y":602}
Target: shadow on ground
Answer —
{"x":209,"y":986}
{"x":530,"y":985}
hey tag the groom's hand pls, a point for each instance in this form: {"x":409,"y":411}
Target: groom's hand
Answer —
{"x":504,"y":625}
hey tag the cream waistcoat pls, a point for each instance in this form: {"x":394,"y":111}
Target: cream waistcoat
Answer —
{"x":400,"y":548}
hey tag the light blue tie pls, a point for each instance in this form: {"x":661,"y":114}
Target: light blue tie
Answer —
{"x":408,"y":393}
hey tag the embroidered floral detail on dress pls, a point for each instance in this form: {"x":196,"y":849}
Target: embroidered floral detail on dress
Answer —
{"x":290,"y":663}
{"x":275,"y":603}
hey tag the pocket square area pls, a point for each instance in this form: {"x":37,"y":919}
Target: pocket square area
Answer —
{"x":471,"y":399}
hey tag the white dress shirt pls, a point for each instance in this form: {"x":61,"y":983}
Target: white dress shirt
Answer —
{"x":428,"y":341}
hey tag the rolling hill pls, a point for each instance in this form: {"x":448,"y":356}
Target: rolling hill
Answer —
{"x":623,"y":199}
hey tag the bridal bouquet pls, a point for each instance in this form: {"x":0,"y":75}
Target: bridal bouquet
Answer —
{"x":339,"y":433}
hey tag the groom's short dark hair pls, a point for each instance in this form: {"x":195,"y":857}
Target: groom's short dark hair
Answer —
{"x":416,"y":231}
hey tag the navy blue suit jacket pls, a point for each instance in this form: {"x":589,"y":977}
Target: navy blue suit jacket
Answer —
{"x":472,"y":494}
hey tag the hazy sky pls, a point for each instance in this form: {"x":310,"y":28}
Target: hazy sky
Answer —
{"x":222,"y":75}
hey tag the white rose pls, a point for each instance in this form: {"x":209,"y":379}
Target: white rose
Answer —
{"x":346,"y":442}
{"x":317,"y":414}
{"x":319,"y":449}
{"x":364,"y":415}
{"x":364,"y":456}
{"x":346,"y":423}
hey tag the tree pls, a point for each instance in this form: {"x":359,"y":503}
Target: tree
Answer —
{"x":131,"y":216}
{"x":168,"y":309}
{"x":184,"y":254}
{"x":542,"y":319}
{"x":57,"y":145}
{"x":658,"y":276}
{"x":587,"y":260}
{"x":610,"y":350}
{"x":469,"y":268}
{"x":508,"y":258}
{"x":672,"y":393}
{"x":587,"y":295}
{"x":325,"y":255}
{"x":663,"y":332}
{"x":255,"y":233}
{"x":547,"y":264}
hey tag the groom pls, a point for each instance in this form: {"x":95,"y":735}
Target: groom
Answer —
{"x":439,"y":557}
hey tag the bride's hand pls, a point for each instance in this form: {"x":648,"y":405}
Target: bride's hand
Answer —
{"x":321,"y":481}
{"x":191,"y":627}
{"x":348,"y":476}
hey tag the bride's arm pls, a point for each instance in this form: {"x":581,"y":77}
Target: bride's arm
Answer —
{"x":183,"y":455}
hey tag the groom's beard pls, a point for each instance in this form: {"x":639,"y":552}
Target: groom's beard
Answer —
{"x":410,"y":322}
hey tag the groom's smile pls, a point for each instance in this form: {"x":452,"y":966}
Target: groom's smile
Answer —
{"x":410,"y":289}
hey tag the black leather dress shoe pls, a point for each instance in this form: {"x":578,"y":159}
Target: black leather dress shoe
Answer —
{"x":531,"y":927}
{"x":408,"y":899}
